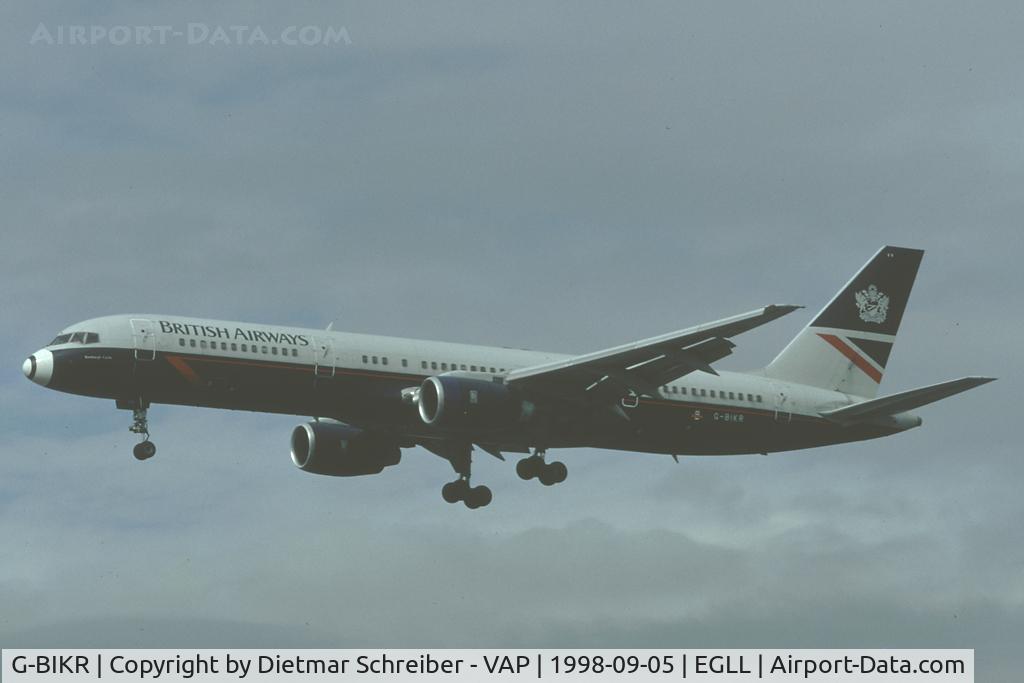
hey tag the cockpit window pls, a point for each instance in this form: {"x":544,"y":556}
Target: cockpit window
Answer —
{"x":76,"y":338}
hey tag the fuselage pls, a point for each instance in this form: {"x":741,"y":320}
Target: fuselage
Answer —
{"x":364,"y":380}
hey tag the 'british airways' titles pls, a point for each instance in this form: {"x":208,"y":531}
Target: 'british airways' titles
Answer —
{"x":212,"y":331}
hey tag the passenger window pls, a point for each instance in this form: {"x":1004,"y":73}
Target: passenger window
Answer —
{"x":223,"y":346}
{"x":732,"y":396}
{"x":181,"y":341}
{"x":759,"y":398}
{"x":295,"y":353}
{"x":384,"y":360}
{"x":202,"y":344}
{"x":444,"y":366}
{"x":750,"y":397}
{"x":264,"y":350}
{"x":192,"y":343}
{"x":682,"y":390}
{"x":366,"y":359}
{"x":405,"y":363}
{"x":712,"y":393}
{"x":433,"y":365}
{"x":423,"y":365}
{"x":471,"y":367}
{"x":492,"y":371}
{"x":273,"y":350}
{"x":703,"y":392}
{"x":255,"y":349}
{"x":234,"y":346}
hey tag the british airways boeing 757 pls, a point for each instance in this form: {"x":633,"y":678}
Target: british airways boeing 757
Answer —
{"x":372,"y":396}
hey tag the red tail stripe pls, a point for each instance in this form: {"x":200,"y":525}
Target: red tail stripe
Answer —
{"x":854,"y":357}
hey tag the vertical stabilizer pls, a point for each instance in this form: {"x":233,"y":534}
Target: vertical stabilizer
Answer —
{"x":846,"y":346}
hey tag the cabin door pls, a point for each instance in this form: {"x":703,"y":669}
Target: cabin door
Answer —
{"x":143,"y":339}
{"x":323,"y":364}
{"x":783,"y":405}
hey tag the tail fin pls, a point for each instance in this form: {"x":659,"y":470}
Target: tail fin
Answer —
{"x":846,"y":346}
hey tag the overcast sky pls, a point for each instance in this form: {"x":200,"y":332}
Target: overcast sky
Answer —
{"x":563,"y":177}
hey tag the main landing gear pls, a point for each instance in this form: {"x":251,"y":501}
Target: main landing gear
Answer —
{"x":146,"y":449}
{"x":472,"y":497}
{"x":548,"y":473}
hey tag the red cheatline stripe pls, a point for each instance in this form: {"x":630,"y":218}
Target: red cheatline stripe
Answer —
{"x":182,"y":367}
{"x":855,"y":357}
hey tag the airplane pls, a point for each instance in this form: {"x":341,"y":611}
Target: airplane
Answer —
{"x":371,"y":396}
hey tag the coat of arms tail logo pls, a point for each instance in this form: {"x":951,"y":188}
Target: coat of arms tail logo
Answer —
{"x":873,"y":305}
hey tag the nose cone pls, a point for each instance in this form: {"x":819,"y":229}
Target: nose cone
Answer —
{"x":39,"y":367}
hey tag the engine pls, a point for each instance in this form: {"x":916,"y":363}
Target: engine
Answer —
{"x":340,"y":450}
{"x":466,"y":403}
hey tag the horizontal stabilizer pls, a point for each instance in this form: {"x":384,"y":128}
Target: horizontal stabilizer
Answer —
{"x":903,"y":401}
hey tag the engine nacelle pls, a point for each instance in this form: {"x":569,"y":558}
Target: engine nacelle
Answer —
{"x":467,"y":403}
{"x":340,"y":450}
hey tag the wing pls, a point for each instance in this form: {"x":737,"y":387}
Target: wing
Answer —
{"x":643,"y":366}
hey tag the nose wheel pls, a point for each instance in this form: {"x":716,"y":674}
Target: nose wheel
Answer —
{"x":548,"y":473}
{"x":144,"y":450}
{"x":140,"y":425}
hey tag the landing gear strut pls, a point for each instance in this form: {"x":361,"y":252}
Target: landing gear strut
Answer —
{"x":548,"y":473}
{"x":140,"y":425}
{"x":472,"y":497}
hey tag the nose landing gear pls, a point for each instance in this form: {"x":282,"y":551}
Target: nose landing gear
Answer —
{"x":548,"y":473}
{"x":140,"y":425}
